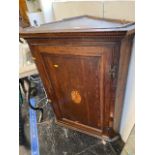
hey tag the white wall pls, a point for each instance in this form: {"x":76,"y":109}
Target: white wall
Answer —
{"x":47,"y":9}
{"x":36,"y":16}
{"x":128,"y":115}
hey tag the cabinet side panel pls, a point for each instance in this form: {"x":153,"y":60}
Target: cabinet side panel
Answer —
{"x":125,"y":52}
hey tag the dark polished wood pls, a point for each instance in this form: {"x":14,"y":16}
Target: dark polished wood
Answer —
{"x":83,"y":63}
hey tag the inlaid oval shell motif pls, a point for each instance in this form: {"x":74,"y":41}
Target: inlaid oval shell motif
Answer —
{"x":75,"y":95}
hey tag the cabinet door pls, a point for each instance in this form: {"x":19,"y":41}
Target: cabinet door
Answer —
{"x":79,"y":78}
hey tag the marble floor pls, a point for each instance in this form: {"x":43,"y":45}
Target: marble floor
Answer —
{"x":57,"y":140}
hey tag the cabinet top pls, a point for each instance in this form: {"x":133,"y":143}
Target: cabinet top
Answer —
{"x":80,"y":24}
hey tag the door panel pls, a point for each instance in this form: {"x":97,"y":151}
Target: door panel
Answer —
{"x":78,"y":82}
{"x":75,"y":80}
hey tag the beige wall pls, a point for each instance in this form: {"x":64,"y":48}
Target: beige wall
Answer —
{"x":120,"y":10}
{"x":112,"y":9}
{"x":71,"y":9}
{"x":124,"y":10}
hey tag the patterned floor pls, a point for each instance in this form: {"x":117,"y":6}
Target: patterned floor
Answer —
{"x":57,"y":140}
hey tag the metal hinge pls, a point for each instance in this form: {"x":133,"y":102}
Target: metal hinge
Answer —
{"x":112,"y":71}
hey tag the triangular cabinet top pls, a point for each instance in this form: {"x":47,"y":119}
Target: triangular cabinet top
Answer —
{"x":80,"y":24}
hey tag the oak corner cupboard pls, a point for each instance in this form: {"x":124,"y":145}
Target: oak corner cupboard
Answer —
{"x":83,"y":63}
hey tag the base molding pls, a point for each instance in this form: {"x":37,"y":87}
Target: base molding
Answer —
{"x":91,"y":132}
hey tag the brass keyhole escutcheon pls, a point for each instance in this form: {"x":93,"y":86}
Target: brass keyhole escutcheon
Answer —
{"x":76,"y":97}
